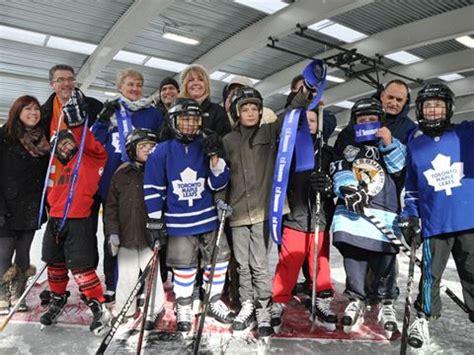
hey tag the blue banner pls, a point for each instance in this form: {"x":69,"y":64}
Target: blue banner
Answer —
{"x":124,"y":124}
{"x":364,"y":132}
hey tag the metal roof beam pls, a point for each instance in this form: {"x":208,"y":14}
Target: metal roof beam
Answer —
{"x":132,"y":22}
{"x":412,"y":35}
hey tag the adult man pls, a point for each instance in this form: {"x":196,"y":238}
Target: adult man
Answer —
{"x":395,"y":98}
{"x":169,"y":90}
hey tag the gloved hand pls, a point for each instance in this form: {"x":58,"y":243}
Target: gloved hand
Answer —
{"x":222,"y":207}
{"x":108,"y":111}
{"x":212,"y":143}
{"x":410,"y":227}
{"x":75,"y":109}
{"x":321,"y":182}
{"x":113,"y":243}
{"x":156,"y":232}
{"x":356,"y":199}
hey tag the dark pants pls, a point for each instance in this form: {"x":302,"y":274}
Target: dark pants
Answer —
{"x":18,"y":243}
{"x":357,"y":262}
{"x":436,"y":252}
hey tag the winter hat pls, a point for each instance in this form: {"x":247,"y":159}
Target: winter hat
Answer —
{"x":169,"y":81}
{"x":240,"y":80}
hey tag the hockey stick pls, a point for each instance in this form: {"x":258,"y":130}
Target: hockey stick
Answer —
{"x":319,"y":139}
{"x":120,"y":317}
{"x":404,"y":248}
{"x":408,"y":299}
{"x":149,"y":290}
{"x":22,"y":297}
{"x":226,"y":211}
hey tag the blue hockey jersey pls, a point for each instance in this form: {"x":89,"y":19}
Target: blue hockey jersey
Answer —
{"x":440,"y":180}
{"x":375,"y":166}
{"x":179,"y":182}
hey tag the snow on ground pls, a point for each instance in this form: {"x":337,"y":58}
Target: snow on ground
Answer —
{"x":451,"y":334}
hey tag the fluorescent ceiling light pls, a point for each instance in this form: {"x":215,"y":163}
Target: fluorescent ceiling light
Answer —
{"x":15,"y":34}
{"x":284,"y":91}
{"x":181,"y":39}
{"x":267,"y":6}
{"x":130,"y":57}
{"x":451,"y":77}
{"x":70,"y":45}
{"x":468,"y":41}
{"x":109,"y":93}
{"x":344,"y":104}
{"x":403,"y":57}
{"x":338,"y":31}
{"x":335,"y":79}
{"x":218,"y":75}
{"x":165,"y":64}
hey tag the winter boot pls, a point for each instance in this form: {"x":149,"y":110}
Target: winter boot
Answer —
{"x":5,"y":283}
{"x":19,"y":285}
{"x":219,"y":310}
{"x":246,"y":317}
{"x":264,"y":317}
{"x":388,"y":318}
{"x":323,"y":316}
{"x":184,"y":313}
{"x":55,"y":308}
{"x":152,"y":319}
{"x":418,"y":333}
{"x":353,"y":315}
{"x":102,"y":318}
{"x":277,"y":311}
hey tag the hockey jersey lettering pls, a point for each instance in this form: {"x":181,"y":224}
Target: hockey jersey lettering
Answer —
{"x":179,"y":184}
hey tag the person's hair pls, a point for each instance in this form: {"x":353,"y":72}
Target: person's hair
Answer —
{"x":60,"y":67}
{"x":295,"y":81}
{"x":132,"y":73}
{"x":398,"y":82}
{"x":186,"y":76}
{"x":14,"y":128}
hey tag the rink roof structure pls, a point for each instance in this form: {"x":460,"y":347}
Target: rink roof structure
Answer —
{"x":427,"y":39}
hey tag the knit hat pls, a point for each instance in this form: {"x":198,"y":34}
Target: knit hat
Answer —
{"x":169,"y":81}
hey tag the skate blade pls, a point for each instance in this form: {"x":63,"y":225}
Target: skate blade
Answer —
{"x":331,"y":327}
{"x":246,"y":331}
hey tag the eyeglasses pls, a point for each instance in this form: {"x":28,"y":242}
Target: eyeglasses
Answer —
{"x":64,"y":80}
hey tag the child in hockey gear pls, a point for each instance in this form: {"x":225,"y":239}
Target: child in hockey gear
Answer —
{"x":363,"y":179}
{"x":125,"y":224}
{"x":69,"y":242}
{"x":251,"y":151}
{"x":440,"y":178}
{"x":298,"y":236}
{"x":180,"y":178}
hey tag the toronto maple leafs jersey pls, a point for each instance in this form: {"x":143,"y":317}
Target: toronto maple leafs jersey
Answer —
{"x":440,"y":180}
{"x":108,"y":135}
{"x":375,"y":166}
{"x":179,"y":183}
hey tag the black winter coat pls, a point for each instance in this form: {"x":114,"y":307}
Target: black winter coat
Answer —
{"x":217,"y":118}
{"x":21,"y":184}
{"x":94,"y":107}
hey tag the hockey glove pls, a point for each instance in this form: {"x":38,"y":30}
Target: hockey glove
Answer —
{"x":212,"y":143}
{"x":75,"y":109}
{"x":113,"y":243}
{"x":222,"y":207}
{"x":356,"y":199}
{"x":108,"y":111}
{"x":410,"y":227}
{"x":156,"y":232}
{"x":321,"y":182}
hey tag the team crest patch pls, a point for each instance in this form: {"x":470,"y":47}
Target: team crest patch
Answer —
{"x":371,"y":173}
{"x":189,"y":188}
{"x":350,"y":152}
{"x":445,"y":176}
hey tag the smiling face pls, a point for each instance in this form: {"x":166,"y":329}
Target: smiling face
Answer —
{"x":196,"y":85}
{"x":63,"y":84}
{"x":30,"y":115}
{"x":132,"y":88}
{"x":168,"y":94}
{"x":434,"y":110}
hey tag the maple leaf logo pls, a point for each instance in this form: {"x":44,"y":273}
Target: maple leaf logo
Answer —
{"x":189,"y":188}
{"x":445,"y":175}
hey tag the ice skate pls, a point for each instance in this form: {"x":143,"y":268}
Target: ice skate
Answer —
{"x":184,"y":315}
{"x":277,"y":316}
{"x":219,"y":311}
{"x":323,"y":316}
{"x":262,"y":310}
{"x":153,"y":319}
{"x":418,"y":333}
{"x":102,"y":317}
{"x":55,"y":308}
{"x":353,"y":315}
{"x":245,"y":320}
{"x":387,"y":318}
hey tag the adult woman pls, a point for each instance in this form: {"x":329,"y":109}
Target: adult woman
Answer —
{"x":195,"y":85}
{"x":24,"y":152}
{"x":119,"y":117}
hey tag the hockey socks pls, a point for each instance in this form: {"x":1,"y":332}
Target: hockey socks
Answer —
{"x":184,"y":282}
{"x":57,"y":278}
{"x":89,"y":284}
{"x":219,"y":277}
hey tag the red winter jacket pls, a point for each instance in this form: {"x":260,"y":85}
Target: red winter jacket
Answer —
{"x":90,"y":172}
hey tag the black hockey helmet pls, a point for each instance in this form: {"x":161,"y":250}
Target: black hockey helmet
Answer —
{"x":184,"y":107}
{"x":435,"y":91}
{"x":242,"y":96}
{"x":63,"y":135}
{"x":365,"y":107}
{"x":137,"y":136}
